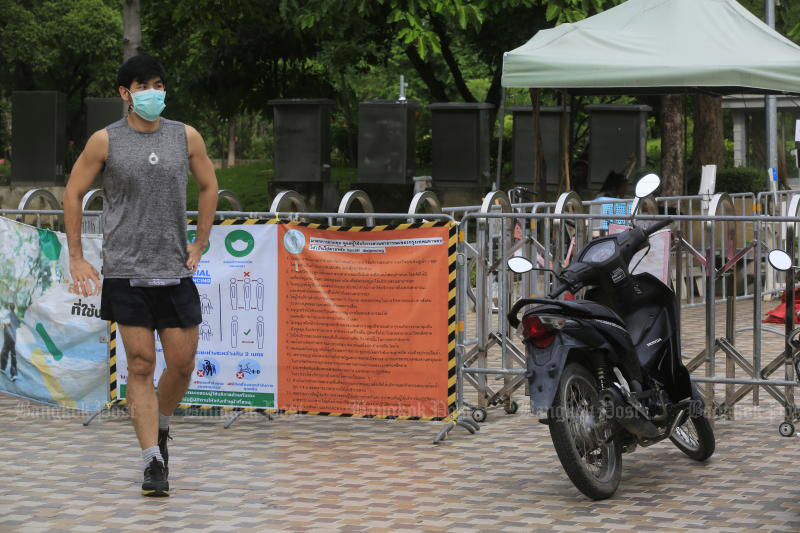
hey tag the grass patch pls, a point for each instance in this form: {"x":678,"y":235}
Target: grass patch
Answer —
{"x":249,"y":183}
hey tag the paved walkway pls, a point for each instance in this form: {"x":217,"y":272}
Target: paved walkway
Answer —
{"x":301,"y":473}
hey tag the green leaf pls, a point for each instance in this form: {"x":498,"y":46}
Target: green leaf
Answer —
{"x":553,"y":10}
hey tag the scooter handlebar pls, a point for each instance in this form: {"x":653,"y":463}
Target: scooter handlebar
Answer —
{"x":555,"y":293}
{"x":512,"y":315}
{"x":661,"y":224}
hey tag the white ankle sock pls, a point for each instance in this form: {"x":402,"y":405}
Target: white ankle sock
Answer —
{"x":148,"y":455}
{"x":163,"y":421}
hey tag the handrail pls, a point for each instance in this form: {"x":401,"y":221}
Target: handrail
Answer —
{"x":361,"y":197}
{"x":424,"y":199}
{"x":569,"y":199}
{"x":42,"y":194}
{"x":496,"y":198}
{"x":288,"y":201}
{"x":231,"y":197}
{"x":92,"y":223}
{"x":91,"y":196}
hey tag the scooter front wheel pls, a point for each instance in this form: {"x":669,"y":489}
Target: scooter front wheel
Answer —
{"x":580,"y":435}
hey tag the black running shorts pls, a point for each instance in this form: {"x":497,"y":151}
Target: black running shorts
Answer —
{"x":176,"y":306}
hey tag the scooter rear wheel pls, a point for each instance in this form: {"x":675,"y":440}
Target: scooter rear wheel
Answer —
{"x":695,"y":438}
{"x":579,"y":435}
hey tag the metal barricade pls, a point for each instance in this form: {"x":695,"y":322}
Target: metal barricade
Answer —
{"x":721,"y":243}
{"x":720,"y":258}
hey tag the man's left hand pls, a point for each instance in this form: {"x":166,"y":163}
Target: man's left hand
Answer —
{"x":194,"y":251}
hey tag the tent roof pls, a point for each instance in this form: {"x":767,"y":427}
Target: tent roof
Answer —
{"x":659,"y":46}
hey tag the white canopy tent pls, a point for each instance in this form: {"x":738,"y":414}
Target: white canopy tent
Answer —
{"x":658,"y":47}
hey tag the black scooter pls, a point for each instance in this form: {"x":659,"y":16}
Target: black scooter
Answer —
{"x":607,"y":369}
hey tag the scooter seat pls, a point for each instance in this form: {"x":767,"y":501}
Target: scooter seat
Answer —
{"x":578,"y":308}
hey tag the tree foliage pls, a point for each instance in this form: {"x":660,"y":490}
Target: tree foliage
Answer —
{"x":72,"y":47}
{"x":229,"y":57}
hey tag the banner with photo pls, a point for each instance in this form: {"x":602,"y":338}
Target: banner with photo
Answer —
{"x":54,"y":344}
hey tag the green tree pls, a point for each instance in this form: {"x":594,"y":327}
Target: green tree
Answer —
{"x":72,"y":47}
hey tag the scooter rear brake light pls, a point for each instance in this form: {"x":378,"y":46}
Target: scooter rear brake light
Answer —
{"x":534,"y":329}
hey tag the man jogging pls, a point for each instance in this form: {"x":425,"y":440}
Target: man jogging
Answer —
{"x":147,"y":263}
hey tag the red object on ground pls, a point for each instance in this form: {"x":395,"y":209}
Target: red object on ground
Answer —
{"x":778,"y":315}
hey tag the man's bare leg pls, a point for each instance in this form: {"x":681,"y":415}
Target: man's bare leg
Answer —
{"x":140,"y":351}
{"x":180,"y":345}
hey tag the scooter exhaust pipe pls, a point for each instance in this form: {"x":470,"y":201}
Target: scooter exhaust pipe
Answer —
{"x":619,"y":410}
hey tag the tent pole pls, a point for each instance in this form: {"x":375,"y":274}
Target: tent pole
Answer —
{"x":770,"y":107}
{"x":501,"y":130}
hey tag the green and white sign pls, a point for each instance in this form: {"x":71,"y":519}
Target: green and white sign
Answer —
{"x":236,"y":361}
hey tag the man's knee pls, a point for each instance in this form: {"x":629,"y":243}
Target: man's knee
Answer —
{"x":183,"y":366}
{"x":141,"y":365}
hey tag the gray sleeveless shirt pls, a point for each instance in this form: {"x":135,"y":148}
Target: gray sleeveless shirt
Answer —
{"x":144,"y":219}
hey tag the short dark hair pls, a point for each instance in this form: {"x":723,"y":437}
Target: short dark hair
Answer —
{"x":141,"y":68}
{"x":614,"y":180}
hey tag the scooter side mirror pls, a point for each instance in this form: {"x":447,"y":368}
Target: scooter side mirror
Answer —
{"x":647,"y":185}
{"x":520,"y":265}
{"x":779,"y":260}
{"x":794,"y":339}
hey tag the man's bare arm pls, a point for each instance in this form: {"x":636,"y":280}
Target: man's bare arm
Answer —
{"x":89,"y":163}
{"x":203,"y":171}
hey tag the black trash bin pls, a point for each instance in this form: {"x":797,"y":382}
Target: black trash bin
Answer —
{"x":302,"y":149}
{"x":387,"y":159}
{"x":100,"y":112}
{"x":387,"y":141}
{"x":617,"y":138}
{"x":461,"y":134}
{"x":522,"y":145}
{"x":38,"y":138}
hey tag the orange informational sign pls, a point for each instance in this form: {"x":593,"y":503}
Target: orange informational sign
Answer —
{"x":365,"y":321}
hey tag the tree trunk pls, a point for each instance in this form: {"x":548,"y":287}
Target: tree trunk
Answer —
{"x":231,"y":143}
{"x":452,"y":64}
{"x":539,"y":179}
{"x":131,"y":29}
{"x":672,"y":145}
{"x":564,"y":127}
{"x":709,"y":138}
{"x":426,"y":72}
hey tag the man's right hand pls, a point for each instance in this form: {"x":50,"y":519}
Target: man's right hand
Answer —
{"x":83,"y":274}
